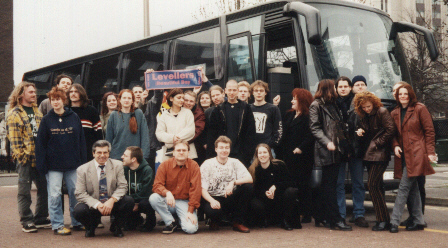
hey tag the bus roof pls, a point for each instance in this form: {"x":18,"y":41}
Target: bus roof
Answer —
{"x":212,"y":22}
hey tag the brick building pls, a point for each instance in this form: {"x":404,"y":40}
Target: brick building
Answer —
{"x":6,"y":51}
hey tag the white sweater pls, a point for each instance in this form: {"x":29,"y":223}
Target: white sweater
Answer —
{"x":181,"y":126}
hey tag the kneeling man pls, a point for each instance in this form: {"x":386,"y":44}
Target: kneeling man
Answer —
{"x":226,"y":187}
{"x":177,"y":189}
{"x":101,"y":191}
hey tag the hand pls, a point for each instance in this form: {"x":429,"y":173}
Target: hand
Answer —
{"x":331,"y":146}
{"x":175,"y":139}
{"x":100,"y":208}
{"x":205,"y":147}
{"x":229,"y":189}
{"x":135,"y":207}
{"x":433,"y":158}
{"x":276,"y":100}
{"x":192,"y":218}
{"x":149,"y":70}
{"x":144,"y":95}
{"x":170,"y":199}
{"x":197,"y":89}
{"x":297,"y":151}
{"x":204,"y":78}
{"x":271,"y":192}
{"x":108,"y":205}
{"x":398,"y":151}
{"x":215,"y":204}
{"x":360,"y":132}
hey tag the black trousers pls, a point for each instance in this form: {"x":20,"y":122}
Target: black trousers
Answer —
{"x":421,"y":180}
{"x":283,"y":206}
{"x":237,"y":204}
{"x":143,"y":208}
{"x":91,"y":217}
{"x":327,"y":205}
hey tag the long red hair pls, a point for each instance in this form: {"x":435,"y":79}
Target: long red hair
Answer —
{"x":304,"y":99}
{"x":133,"y":121}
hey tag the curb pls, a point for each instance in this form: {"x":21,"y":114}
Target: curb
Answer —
{"x":8,"y":175}
{"x":429,"y":200}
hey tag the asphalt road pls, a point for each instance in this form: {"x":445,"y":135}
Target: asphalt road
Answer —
{"x":436,"y":235}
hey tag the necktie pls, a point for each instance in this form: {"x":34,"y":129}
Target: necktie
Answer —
{"x":103,"y":186}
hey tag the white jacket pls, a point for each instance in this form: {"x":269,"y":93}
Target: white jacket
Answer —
{"x":181,"y":126}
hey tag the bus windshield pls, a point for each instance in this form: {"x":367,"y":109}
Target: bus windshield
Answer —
{"x":355,"y":42}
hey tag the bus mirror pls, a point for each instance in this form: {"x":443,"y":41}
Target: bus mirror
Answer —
{"x":312,"y":17}
{"x":401,"y":27}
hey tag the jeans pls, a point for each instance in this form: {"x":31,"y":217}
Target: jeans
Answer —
{"x":27,"y":175}
{"x":54,"y":186}
{"x":408,"y":189}
{"x":159,"y":204}
{"x":356,"y":169}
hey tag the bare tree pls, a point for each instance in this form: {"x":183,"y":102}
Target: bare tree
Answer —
{"x":214,"y":8}
{"x":429,"y":78}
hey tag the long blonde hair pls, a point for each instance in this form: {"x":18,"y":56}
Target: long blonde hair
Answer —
{"x":17,"y":94}
{"x":256,"y":163}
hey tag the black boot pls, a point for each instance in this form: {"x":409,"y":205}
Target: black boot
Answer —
{"x":286,"y":225}
{"x":90,"y":232}
{"x":341,"y":226}
{"x":381,"y":226}
{"x":393,"y":228}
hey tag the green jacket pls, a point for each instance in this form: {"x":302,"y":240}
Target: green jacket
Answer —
{"x":140,"y":181}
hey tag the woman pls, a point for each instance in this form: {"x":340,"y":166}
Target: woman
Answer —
{"x":414,"y":148}
{"x":204,"y":100}
{"x":127,"y":127}
{"x":274,"y":191}
{"x":296,"y":147}
{"x":176,"y":124}
{"x":60,"y":150}
{"x":108,"y":104}
{"x":376,"y":130}
{"x":327,"y":128}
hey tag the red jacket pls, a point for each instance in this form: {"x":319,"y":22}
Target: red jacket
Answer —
{"x":416,"y":137}
{"x":199,"y":122}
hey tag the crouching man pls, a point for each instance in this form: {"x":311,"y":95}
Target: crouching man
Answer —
{"x":140,"y":177}
{"x":101,"y":191}
{"x":177,"y":190}
{"x":226,"y":187}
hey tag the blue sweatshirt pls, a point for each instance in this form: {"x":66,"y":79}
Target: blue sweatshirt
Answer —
{"x":120,"y":136}
{"x":61,"y":145}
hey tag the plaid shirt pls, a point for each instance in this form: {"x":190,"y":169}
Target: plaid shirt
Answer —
{"x":20,"y":134}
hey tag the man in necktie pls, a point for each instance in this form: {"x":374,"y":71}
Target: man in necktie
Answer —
{"x":100,"y":191}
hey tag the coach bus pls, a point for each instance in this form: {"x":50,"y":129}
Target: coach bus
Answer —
{"x":285,"y":43}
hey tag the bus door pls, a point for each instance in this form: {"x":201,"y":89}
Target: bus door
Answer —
{"x":240,"y":63}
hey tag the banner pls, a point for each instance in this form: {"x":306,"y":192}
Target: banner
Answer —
{"x":173,"y":79}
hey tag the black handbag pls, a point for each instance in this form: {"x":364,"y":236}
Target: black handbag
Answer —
{"x":316,"y":177}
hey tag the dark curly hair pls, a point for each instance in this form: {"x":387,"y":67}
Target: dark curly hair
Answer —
{"x":364,"y":97}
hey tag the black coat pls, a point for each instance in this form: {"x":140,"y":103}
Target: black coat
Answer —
{"x":279,"y":176}
{"x":326,"y":127}
{"x":297,"y":134}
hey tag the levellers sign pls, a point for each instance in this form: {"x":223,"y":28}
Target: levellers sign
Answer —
{"x":173,"y":79}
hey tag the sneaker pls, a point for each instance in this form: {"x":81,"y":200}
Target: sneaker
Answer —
{"x":29,"y":228}
{"x":78,"y":228}
{"x":170,"y":229}
{"x":43,"y":224}
{"x":100,"y":225}
{"x":361,"y":222}
{"x":62,"y":231}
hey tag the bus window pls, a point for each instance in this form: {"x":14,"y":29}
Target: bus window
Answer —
{"x":43,"y":85}
{"x":136,"y":62}
{"x":240,"y":62}
{"x":74,"y":72}
{"x":102,"y":78}
{"x":253,"y":25}
{"x":199,"y":49}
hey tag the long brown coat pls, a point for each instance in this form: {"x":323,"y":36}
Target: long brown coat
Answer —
{"x":416,"y":134}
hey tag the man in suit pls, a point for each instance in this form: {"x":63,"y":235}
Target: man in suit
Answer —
{"x":100,"y":191}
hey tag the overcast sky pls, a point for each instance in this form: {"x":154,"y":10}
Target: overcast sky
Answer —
{"x":51,"y":31}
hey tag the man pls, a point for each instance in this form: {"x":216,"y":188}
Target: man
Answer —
{"x":199,"y":122}
{"x":356,"y":168}
{"x":22,"y":125}
{"x":244,"y":91}
{"x":101,"y":191}
{"x":217,"y":95}
{"x":234,"y":119}
{"x":140,"y":177}
{"x":226,"y":187}
{"x":139,"y":94}
{"x":90,"y":118}
{"x":359,"y":84}
{"x":268,"y":119}
{"x":63,"y":82}
{"x":177,"y":189}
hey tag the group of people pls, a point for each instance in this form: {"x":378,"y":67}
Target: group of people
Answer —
{"x":225,"y":155}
